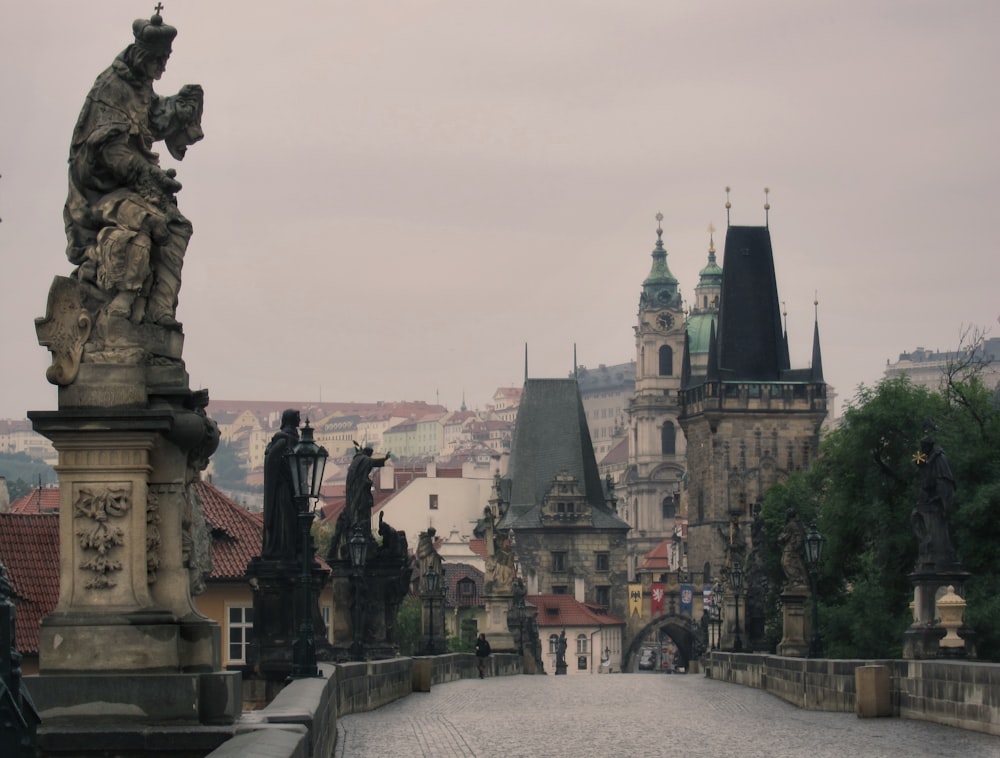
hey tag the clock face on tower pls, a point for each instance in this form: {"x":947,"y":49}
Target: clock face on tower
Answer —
{"x":665,"y":321}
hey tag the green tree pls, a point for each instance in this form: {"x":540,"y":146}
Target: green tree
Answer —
{"x":860,"y":492}
{"x":227,"y":467}
{"x":408,"y":625}
{"x":23,"y":473}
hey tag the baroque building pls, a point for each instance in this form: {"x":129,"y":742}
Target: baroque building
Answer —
{"x":657,"y":447}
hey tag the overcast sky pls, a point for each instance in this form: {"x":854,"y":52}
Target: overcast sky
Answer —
{"x":392,"y":198}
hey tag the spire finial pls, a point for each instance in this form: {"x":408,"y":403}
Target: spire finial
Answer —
{"x":816,"y":304}
{"x":767,"y":205}
{"x":784,"y":315}
{"x":659,"y":226}
{"x":711,"y":238}
{"x":728,"y":206}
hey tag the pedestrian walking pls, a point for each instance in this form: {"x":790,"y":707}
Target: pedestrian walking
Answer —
{"x":482,"y":653}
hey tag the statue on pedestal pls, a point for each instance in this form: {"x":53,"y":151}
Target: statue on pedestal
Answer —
{"x":793,"y":550}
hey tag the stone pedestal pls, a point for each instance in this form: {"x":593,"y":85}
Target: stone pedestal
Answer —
{"x":793,"y":640}
{"x":922,"y":639}
{"x":500,"y":637}
{"x":277,"y":615}
{"x":384,"y":587}
{"x":130,"y":440}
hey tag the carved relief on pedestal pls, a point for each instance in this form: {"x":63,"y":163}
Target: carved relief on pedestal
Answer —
{"x":93,"y":507}
{"x":64,"y":330}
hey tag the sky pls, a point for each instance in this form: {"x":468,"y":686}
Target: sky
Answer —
{"x":393,"y":198}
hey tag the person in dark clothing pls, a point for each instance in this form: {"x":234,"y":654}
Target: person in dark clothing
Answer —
{"x":482,"y":653}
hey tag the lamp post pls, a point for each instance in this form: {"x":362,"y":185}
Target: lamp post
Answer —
{"x":307,"y":461}
{"x":431,"y":584}
{"x":358,"y":548}
{"x":736,"y":576}
{"x":814,"y":553}
{"x":715,"y":617}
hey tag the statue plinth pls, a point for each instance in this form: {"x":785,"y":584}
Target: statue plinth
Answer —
{"x":381,"y":594}
{"x":277,"y":613}
{"x":921,"y":641}
{"x":793,"y":641}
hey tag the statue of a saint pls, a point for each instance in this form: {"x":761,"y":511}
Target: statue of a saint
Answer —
{"x":427,"y":556}
{"x":360,"y":500}
{"x":935,"y":498}
{"x":124,"y":231}
{"x":280,"y":509}
{"x":793,"y":550}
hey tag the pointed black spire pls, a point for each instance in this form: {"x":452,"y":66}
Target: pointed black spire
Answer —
{"x":816,"y":372}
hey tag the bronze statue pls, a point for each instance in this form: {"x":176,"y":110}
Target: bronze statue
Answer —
{"x":124,"y":231}
{"x":793,"y":550}
{"x":280,"y":509}
{"x":935,"y":499}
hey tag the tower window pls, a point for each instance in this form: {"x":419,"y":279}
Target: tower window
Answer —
{"x":668,"y":439}
{"x":669,"y":506}
{"x":558,"y":562}
{"x":666,"y":361}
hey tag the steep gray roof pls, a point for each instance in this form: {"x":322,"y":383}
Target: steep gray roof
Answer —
{"x":551,"y":436}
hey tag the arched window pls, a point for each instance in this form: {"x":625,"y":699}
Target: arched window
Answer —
{"x":668,"y":439}
{"x":669,"y":506}
{"x":553,"y":643}
{"x":666,"y":361}
{"x":581,"y":643}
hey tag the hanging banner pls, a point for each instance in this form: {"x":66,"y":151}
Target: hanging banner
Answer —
{"x":658,"y":593}
{"x":687,"y":600}
{"x":635,"y":600}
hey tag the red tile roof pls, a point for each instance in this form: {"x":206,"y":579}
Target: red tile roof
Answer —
{"x":478,"y":547}
{"x":455,"y":572}
{"x":237,"y":534}
{"x":29,"y":548}
{"x":657,"y":559}
{"x":565,"y":610}
{"x":39,"y":500}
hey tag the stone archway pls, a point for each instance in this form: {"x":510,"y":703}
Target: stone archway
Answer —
{"x":680,"y":629}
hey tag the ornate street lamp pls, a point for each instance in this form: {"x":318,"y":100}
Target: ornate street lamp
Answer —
{"x":358,"y":549}
{"x":814,"y":553}
{"x":736,"y":577}
{"x":307,"y":461}
{"x":432,"y":583}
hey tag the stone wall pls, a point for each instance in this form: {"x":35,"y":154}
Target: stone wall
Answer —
{"x":965,"y":694}
{"x":301,"y":721}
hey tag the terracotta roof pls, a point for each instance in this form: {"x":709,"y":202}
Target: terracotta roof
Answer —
{"x":237,"y":534}
{"x":657,"y":559}
{"x":29,"y":548}
{"x":39,"y":500}
{"x":565,"y":610}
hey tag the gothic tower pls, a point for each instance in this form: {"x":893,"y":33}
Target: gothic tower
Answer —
{"x":749,"y":418}
{"x":656,"y":444}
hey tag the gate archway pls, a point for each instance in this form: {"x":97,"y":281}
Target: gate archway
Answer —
{"x":685,"y":634}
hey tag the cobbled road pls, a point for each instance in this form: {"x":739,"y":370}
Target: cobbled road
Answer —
{"x":641,"y":715}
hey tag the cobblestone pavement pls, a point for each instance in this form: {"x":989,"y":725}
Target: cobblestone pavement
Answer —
{"x":633,"y":715}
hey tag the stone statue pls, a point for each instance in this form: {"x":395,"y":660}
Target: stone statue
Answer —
{"x":935,"y":500}
{"x":427,"y":556}
{"x":124,"y":232}
{"x":280,"y":508}
{"x":793,"y":550}
{"x":360,"y":500}
{"x":123,"y":228}
{"x":561,"y":651}
{"x":500,"y":563}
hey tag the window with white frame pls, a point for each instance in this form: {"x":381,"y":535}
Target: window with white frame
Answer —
{"x":581,"y":643}
{"x":239,"y":628}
